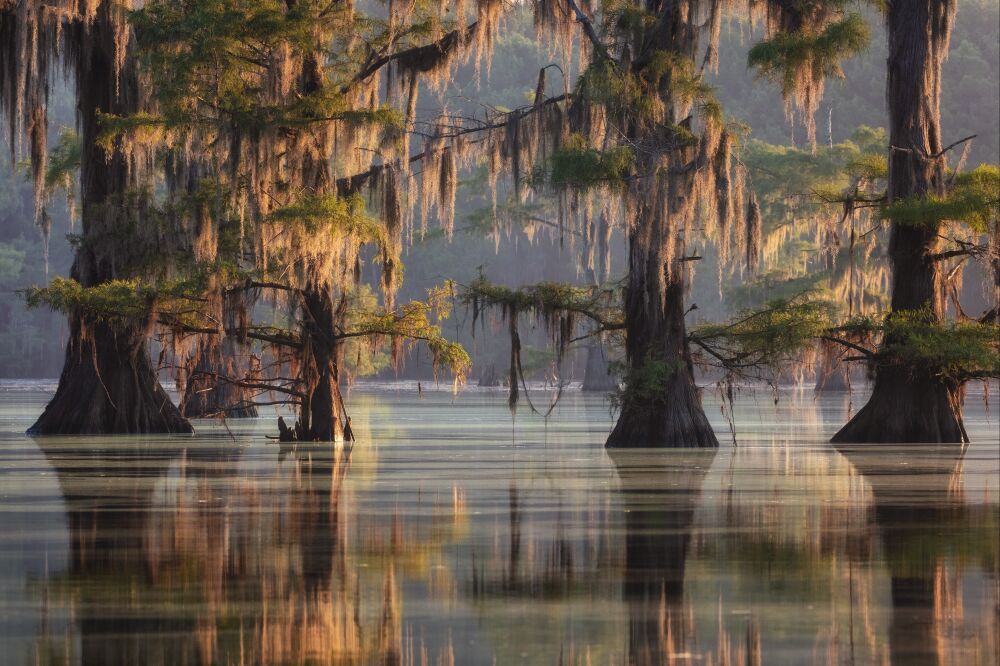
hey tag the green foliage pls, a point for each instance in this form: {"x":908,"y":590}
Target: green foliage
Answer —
{"x":603,"y":83}
{"x":769,"y":337}
{"x":11,"y":262}
{"x":141,"y":129}
{"x":783,"y":57}
{"x":125,"y":301}
{"x":63,"y":161}
{"x":780,"y":283}
{"x":108,"y":301}
{"x":363,"y":359}
{"x":792,"y":183}
{"x":546,"y":299}
{"x":974,"y":200}
{"x":872,"y":166}
{"x":581,"y":167}
{"x":211,"y":60}
{"x":645,"y":383}
{"x":329,"y":212}
{"x":970,"y":101}
{"x":955,"y":351}
{"x":413,"y":321}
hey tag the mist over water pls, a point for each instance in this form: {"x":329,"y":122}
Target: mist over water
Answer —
{"x":451,"y":533}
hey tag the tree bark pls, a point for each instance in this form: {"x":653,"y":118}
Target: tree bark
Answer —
{"x":322,"y":414}
{"x":672,"y":415}
{"x":909,"y":404}
{"x":668,"y":412}
{"x":107,"y":385}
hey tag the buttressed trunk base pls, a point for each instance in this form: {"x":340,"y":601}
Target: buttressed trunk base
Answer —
{"x":671,"y":416}
{"x":108,"y":386}
{"x":907,"y":409}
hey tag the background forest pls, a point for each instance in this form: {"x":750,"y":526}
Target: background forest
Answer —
{"x":852,"y":110}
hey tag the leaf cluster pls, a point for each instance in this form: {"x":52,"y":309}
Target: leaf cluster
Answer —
{"x":582,"y":167}
{"x":782,"y":58}
{"x":955,"y":351}
{"x":973,"y":200}
{"x":768,"y":337}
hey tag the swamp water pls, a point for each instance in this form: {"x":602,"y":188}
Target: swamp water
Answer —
{"x":447,"y":535}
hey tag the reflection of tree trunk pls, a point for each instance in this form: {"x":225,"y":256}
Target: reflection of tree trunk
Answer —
{"x":321,"y":530}
{"x":919,"y":528}
{"x":910,"y":404}
{"x":107,"y":383}
{"x":109,"y":556}
{"x":659,"y":494}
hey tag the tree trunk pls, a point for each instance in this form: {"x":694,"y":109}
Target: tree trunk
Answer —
{"x":322,"y":414}
{"x":660,"y":405}
{"x":489,"y":378}
{"x":108,"y":385}
{"x":597,"y":376}
{"x":909,"y":404}
{"x":666,"y":412}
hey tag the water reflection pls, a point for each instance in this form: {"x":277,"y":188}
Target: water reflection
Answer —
{"x":941,"y":552}
{"x":109,"y":553}
{"x":659,"y":491}
{"x":439,"y":541}
{"x":174,"y":561}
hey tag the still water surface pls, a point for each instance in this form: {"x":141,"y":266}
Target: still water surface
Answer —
{"x":451,"y":535}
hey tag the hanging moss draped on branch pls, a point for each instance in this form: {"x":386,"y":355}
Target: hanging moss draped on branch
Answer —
{"x":808,"y":43}
{"x":560,"y":307}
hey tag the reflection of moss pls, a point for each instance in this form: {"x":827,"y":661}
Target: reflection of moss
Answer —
{"x":964,"y":535}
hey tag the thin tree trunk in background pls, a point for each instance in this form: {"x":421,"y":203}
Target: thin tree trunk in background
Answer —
{"x":908,"y":404}
{"x":597,"y":374}
{"x":207,"y":393}
{"x":832,"y":372}
{"x":107,"y":384}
